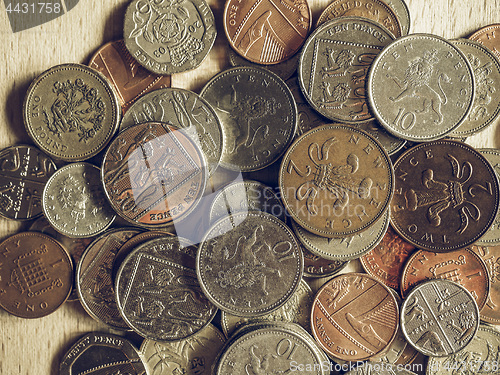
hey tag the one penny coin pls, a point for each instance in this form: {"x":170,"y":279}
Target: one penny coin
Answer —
{"x":487,"y":36}
{"x":490,"y":313}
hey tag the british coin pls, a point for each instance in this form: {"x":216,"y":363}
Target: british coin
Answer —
{"x":487,"y":37}
{"x":24,"y":171}
{"x":375,"y":10}
{"x":486,"y":107}
{"x":479,"y":357}
{"x":36,"y":275}
{"x":94,"y":277}
{"x":446,"y":196}
{"x":490,"y":313}
{"x":296,"y":310}
{"x":74,"y":203}
{"x":421,"y":87}
{"x":390,"y":143}
{"x":71,"y":112}
{"x":267,"y":32}
{"x":246,"y":195}
{"x":354,"y":317}
{"x":334,"y":64}
{"x":439,"y":318}
{"x":250,"y":264}
{"x":166,"y":37}
{"x":461,"y":266}
{"x":317,"y":267}
{"x":386,"y":261}
{"x":336,"y":181}
{"x":129,"y":79}
{"x":258,"y":115}
{"x":102,"y":351}
{"x":402,"y":12}
{"x":153,"y":174}
{"x":193,"y":355}
{"x":182,"y":109}
{"x":158,"y":294}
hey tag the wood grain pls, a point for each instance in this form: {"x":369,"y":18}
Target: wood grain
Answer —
{"x":35,"y":346}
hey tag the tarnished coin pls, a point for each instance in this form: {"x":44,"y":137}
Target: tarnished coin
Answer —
{"x":102,"y":353}
{"x":334,"y":64}
{"x":386,"y":261}
{"x":250,"y":264}
{"x":487,"y":36}
{"x":24,"y":171}
{"x":153,"y":174}
{"x":296,"y":310}
{"x":439,"y":317}
{"x":71,"y":112}
{"x":403,"y":14}
{"x":74,"y":203}
{"x":354,"y":317}
{"x":317,"y":267}
{"x":336,"y":181}
{"x":269,"y":31}
{"x":182,"y":109}
{"x":246,"y":195}
{"x":446,"y":196}
{"x":169,"y":37}
{"x":36,"y":275}
{"x":157,"y":292}
{"x":421,"y":87}
{"x":94,"y":276}
{"x":390,"y":143}
{"x":490,"y":313}
{"x":193,"y":355}
{"x":129,"y":79}
{"x":258,"y":115}
{"x":375,"y":10}
{"x":461,"y":266}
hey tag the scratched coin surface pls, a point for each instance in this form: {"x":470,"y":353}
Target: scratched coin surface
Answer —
{"x":375,"y":10}
{"x":334,"y":64}
{"x":193,"y":355}
{"x":439,"y":318}
{"x":267,"y":31}
{"x":74,"y":203}
{"x":490,"y":313}
{"x":462,"y":266}
{"x":487,"y":36}
{"x":153,"y":174}
{"x":157,"y":292}
{"x":181,"y":109}
{"x":130,"y":80}
{"x":94,"y":280}
{"x":421,"y":87}
{"x":71,"y":112}
{"x":354,"y":317}
{"x":169,"y":37}
{"x":250,"y":264}
{"x":24,"y":171}
{"x":317,"y":267}
{"x":36,"y":275}
{"x":102,"y":353}
{"x":446,"y":196}
{"x":336,"y":181}
{"x":258,"y":115}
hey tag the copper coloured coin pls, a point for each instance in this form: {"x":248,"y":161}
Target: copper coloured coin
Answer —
{"x":491,"y":257}
{"x":36,"y":275}
{"x":487,"y":36}
{"x":267,"y":31}
{"x":153,"y":174}
{"x":354,"y":317}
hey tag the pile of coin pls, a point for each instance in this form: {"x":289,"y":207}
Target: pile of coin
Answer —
{"x":157,"y":219}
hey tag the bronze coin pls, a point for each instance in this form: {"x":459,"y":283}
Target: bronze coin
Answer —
{"x":446,"y":196}
{"x":153,"y":174}
{"x":24,"y":170}
{"x":354,"y":317}
{"x":128,"y":77}
{"x":36,"y":275}
{"x":316,"y":267}
{"x":267,"y":31}
{"x":386,"y":261}
{"x":487,"y":37}
{"x":462,"y":266}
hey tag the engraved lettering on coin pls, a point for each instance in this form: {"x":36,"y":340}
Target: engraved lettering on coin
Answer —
{"x":487,"y":36}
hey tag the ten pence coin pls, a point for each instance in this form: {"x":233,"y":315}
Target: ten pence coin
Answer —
{"x":336,"y":181}
{"x":487,"y":36}
{"x":71,"y":112}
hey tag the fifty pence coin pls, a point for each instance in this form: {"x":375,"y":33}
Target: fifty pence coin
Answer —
{"x":439,"y":318}
{"x":24,"y":171}
{"x":71,"y":112}
{"x":490,"y":313}
{"x":487,"y":36}
{"x":169,"y":37}
{"x":74,"y":202}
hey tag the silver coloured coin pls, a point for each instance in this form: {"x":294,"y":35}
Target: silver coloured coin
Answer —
{"x":402,"y":12}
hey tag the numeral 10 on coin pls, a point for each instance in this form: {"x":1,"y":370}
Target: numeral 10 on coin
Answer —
{"x":286,"y":348}
{"x":405,"y":120}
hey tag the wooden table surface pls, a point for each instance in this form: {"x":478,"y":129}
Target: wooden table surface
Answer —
{"x":35,"y":346}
